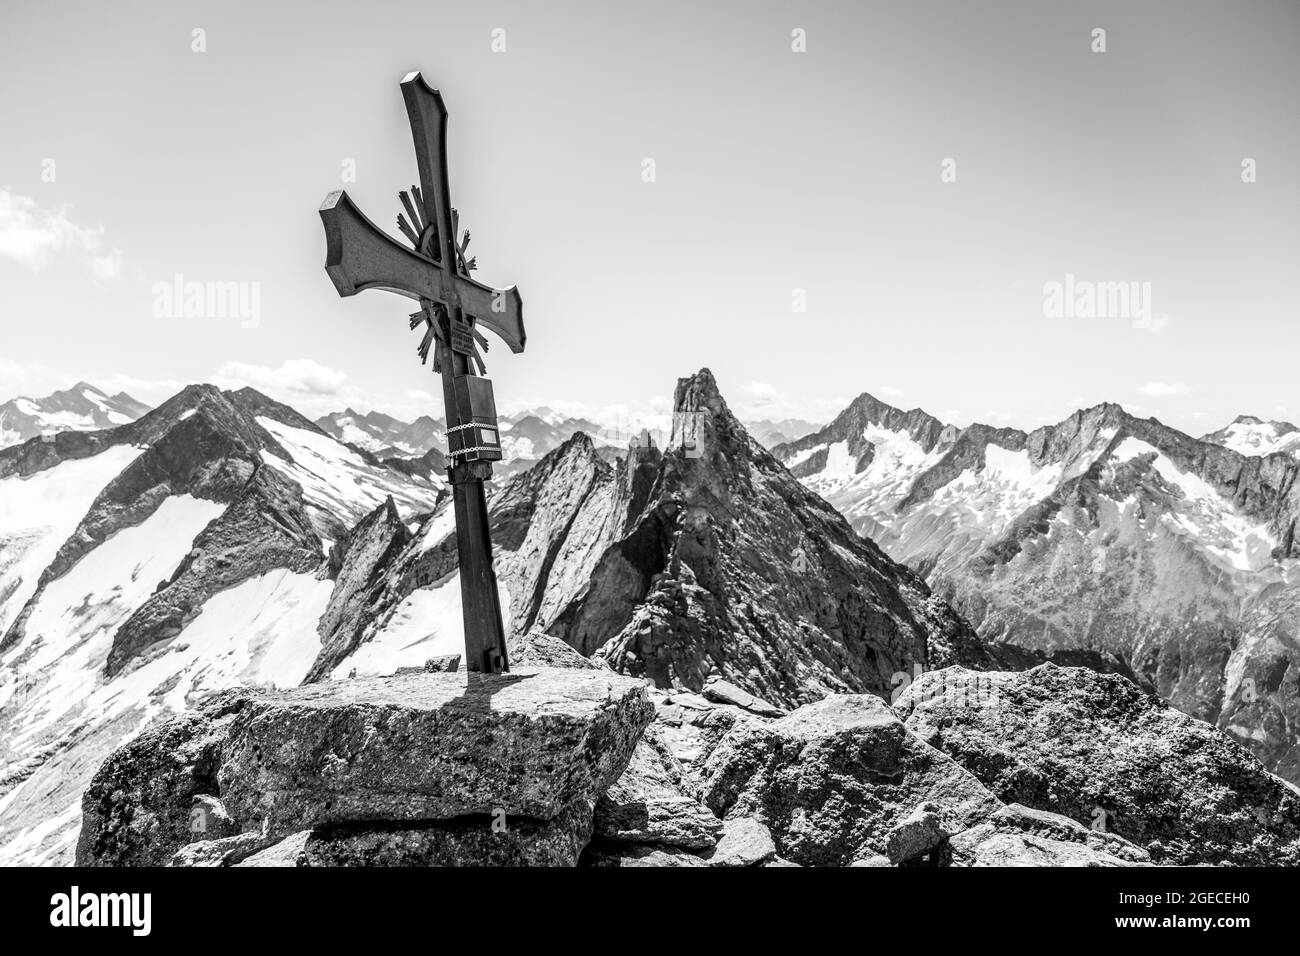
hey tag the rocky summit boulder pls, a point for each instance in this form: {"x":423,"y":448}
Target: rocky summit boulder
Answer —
{"x":435,"y":768}
{"x":431,"y":747}
{"x":832,"y":780}
{"x":137,"y":809}
{"x":1096,"y":749}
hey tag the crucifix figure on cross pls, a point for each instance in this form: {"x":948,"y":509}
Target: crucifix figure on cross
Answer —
{"x":435,"y":272}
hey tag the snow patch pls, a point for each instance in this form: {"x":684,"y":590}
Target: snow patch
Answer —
{"x":38,"y":513}
{"x":427,"y":624}
{"x":1007,"y":485}
{"x":839,"y":463}
{"x":70,"y":631}
{"x":800,"y":457}
{"x":335,"y":479}
{"x":1207,"y":516}
{"x":1258,"y":438}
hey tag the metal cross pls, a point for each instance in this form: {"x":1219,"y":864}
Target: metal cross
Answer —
{"x":435,"y":272}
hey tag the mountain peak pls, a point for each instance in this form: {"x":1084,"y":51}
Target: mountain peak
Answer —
{"x":697,"y":392}
{"x":703,"y":423}
{"x":867,"y":400}
{"x":1279,"y":426}
{"x":81,"y":408}
{"x":578,"y":441}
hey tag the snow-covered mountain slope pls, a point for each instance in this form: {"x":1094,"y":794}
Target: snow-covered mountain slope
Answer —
{"x":339,"y":481}
{"x":1254,"y":436}
{"x":1105,"y":533}
{"x":82,"y":407}
{"x":37,"y":514}
{"x":146,"y":565}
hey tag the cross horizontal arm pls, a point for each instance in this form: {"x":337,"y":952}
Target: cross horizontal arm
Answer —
{"x":499,"y":310}
{"x":359,"y":255}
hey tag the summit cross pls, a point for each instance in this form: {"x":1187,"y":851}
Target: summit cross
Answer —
{"x":434,"y":270}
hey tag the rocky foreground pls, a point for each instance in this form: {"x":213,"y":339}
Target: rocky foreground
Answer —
{"x":563,"y":762}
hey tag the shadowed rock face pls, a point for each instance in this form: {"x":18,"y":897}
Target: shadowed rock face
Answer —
{"x":1096,"y":749}
{"x":472,"y":842}
{"x":758,"y":581}
{"x":361,"y":584}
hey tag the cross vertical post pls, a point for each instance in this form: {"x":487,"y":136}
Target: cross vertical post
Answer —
{"x":435,"y":272}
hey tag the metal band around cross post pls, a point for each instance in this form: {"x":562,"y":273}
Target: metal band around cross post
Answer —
{"x":466,"y":451}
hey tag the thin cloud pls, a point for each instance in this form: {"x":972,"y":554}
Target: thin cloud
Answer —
{"x":758,"y":401}
{"x":36,"y":237}
{"x":304,"y":384}
{"x":1164,"y":389}
{"x":315,"y":389}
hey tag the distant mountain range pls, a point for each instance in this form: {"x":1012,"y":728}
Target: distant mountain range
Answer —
{"x":769,"y":434}
{"x":223,"y":539}
{"x":1254,"y":436}
{"x":1106,"y":532}
{"x":384,"y":435}
{"x":82,"y":407}
{"x":526,"y":437}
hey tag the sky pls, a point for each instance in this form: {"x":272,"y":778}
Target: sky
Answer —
{"x":813,"y":199}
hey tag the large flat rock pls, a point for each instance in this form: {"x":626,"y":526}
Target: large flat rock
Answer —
{"x":431,"y":746}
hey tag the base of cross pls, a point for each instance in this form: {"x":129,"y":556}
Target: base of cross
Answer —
{"x":485,"y":639}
